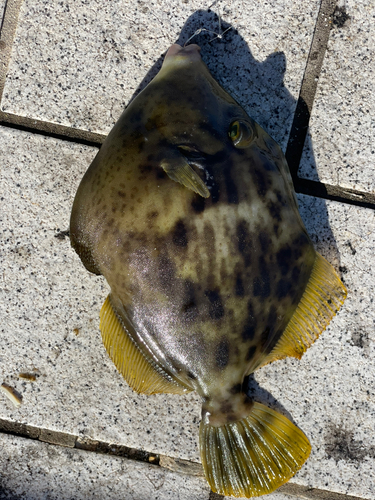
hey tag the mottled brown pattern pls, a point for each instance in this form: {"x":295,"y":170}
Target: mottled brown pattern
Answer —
{"x":207,"y":284}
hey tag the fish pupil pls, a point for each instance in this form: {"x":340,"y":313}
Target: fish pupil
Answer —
{"x":234,"y":131}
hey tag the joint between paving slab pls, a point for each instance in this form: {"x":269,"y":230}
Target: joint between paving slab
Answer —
{"x":306,"y":97}
{"x":50,"y":129}
{"x":335,"y":193}
{"x":177,"y":465}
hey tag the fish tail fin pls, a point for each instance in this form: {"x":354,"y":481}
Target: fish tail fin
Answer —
{"x":253,"y":456}
{"x":324,"y":295}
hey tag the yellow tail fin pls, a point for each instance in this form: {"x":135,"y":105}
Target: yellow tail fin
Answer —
{"x":139,"y":373}
{"x":253,"y":456}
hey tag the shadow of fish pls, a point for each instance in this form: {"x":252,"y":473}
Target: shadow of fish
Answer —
{"x":189,"y":212}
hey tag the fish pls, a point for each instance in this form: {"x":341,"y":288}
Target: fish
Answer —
{"x":189,"y":212}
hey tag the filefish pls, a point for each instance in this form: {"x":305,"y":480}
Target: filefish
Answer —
{"x":189,"y":212}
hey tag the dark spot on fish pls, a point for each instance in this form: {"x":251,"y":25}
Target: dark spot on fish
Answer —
{"x":215,"y":309}
{"x":136,"y":116}
{"x":257,"y":287}
{"x":231,"y":188}
{"x":231,"y":417}
{"x":264,"y":241}
{"x":153,"y":214}
{"x":265,"y":336}
{"x":261,"y":284}
{"x":272,"y":316}
{"x":190,"y":311}
{"x":251,"y":352}
{"x":244,"y":241}
{"x":179,"y":234}
{"x":250,"y":326}
{"x":283,"y":289}
{"x":198,"y":203}
{"x":274,"y":210}
{"x":222,"y":354}
{"x":121,"y":194}
{"x":126,"y":247}
{"x":239,"y":289}
{"x":154,"y":122}
{"x":223,"y":271}
{"x":237,"y":388}
{"x":281,"y":198}
{"x":226,"y":408}
{"x":284,"y":259}
{"x":299,"y":244}
{"x":260,"y":180}
{"x":166,"y":273}
{"x":135,"y":136}
{"x":145,"y":168}
{"x":268,"y":165}
{"x":296,"y":274}
{"x":161,"y":174}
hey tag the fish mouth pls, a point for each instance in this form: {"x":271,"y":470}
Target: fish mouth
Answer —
{"x":193,"y":156}
{"x":191,"y":52}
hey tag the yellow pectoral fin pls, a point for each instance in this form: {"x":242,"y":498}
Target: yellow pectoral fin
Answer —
{"x":139,"y":373}
{"x":180,"y":171}
{"x":323,"y":297}
{"x":253,"y":456}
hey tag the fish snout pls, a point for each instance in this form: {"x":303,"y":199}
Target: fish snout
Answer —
{"x":191,"y":52}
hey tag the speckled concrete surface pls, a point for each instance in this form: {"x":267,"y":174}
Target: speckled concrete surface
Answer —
{"x":75,"y":67}
{"x":342,"y":121}
{"x":68,"y":66}
{"x":50,"y":327}
{"x":30,"y":470}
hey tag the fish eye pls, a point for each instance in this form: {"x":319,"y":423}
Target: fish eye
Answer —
{"x":242,"y":133}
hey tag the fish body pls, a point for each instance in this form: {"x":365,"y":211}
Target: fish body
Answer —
{"x":189,"y":212}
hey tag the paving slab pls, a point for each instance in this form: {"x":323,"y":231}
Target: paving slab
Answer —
{"x":30,"y":470}
{"x":73,"y":66}
{"x":2,"y":8}
{"x":342,"y":125}
{"x":50,"y":305}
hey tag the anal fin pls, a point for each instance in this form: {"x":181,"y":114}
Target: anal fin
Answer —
{"x":133,"y":365}
{"x":324,"y":295}
{"x":253,"y":456}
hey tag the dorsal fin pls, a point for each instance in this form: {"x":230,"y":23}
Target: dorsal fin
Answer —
{"x":323,"y":297}
{"x":139,"y":373}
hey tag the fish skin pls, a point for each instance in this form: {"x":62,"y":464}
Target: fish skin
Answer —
{"x":207,"y":284}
